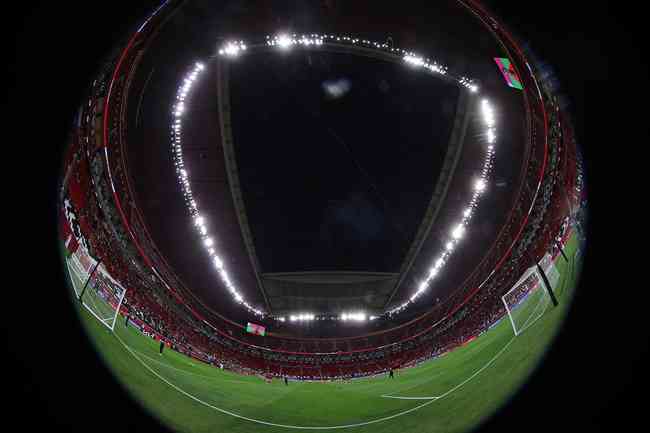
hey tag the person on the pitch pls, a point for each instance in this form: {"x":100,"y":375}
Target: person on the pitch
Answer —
{"x":286,"y":382}
{"x":162,"y":345}
{"x":391,"y":374}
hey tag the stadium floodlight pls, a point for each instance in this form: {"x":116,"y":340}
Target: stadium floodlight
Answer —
{"x":284,"y":41}
{"x":199,"y":220}
{"x":232,"y":49}
{"x":488,"y":113}
{"x":413,"y":60}
{"x":218,"y":262}
{"x":208,"y":242}
{"x":491,"y":136}
{"x":458,"y":231}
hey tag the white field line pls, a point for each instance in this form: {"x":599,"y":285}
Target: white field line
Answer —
{"x":428,"y":401}
{"x":411,"y":386}
{"x":157,"y":361}
{"x":479,"y":370}
{"x":487,"y":364}
{"x":409,"y":398}
{"x":233,"y":414}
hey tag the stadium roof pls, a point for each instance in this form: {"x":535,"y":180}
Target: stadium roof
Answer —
{"x":321,"y":203}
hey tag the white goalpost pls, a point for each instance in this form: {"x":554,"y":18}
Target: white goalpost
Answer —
{"x":97,"y":291}
{"x":528,"y":298}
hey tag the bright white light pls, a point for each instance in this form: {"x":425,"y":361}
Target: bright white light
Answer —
{"x":359,"y":317}
{"x":284,"y":41}
{"x":218,"y":262}
{"x":458,"y":231}
{"x":491,"y":136}
{"x":413,"y":60}
{"x":231,"y":50}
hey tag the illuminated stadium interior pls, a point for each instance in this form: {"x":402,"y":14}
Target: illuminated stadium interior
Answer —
{"x":320,"y":207}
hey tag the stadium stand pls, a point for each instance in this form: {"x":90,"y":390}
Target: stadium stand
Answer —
{"x":108,"y":223}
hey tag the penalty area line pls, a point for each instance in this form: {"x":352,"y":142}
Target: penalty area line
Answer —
{"x":476,"y":373}
{"x":428,"y":401}
{"x":410,"y":398}
{"x":236,"y":415}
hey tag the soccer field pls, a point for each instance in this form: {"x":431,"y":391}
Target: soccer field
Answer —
{"x":448,"y":394}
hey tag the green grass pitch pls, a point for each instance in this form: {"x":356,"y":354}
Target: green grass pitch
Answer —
{"x":449,"y":394}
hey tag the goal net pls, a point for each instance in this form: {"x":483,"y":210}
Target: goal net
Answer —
{"x":528,"y":298}
{"x":97,"y":291}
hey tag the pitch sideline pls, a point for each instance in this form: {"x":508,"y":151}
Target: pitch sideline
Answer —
{"x":236,"y":415}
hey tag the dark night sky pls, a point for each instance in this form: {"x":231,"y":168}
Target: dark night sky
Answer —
{"x":596,"y":373}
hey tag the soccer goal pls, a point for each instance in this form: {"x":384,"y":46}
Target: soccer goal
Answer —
{"x":97,"y":291}
{"x":528,"y":298}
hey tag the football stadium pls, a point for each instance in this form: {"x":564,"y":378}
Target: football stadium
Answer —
{"x":270,"y":227}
